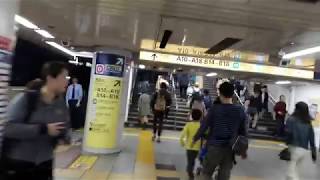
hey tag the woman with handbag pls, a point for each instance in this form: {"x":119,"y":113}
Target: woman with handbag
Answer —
{"x":300,"y":136}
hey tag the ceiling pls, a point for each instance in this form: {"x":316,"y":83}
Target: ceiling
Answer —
{"x":266,"y":26}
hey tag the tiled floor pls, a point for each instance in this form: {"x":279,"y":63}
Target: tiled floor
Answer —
{"x":139,"y":157}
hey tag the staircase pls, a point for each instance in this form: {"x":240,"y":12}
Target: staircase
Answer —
{"x":208,"y":83}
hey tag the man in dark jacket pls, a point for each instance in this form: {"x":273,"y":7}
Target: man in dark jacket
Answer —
{"x":160,"y":103}
{"x":225,"y":121}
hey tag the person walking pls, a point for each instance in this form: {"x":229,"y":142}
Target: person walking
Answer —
{"x":207,"y":99}
{"x":197,"y":102}
{"x":225,"y":122}
{"x":280,"y":111}
{"x":183,"y":82}
{"x":186,"y":138}
{"x":254,"y":103}
{"x":161,"y":100}
{"x":73,"y":99}
{"x":300,"y":136}
{"x":144,"y":109}
{"x":37,"y":121}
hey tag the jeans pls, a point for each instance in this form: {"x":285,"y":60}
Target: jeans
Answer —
{"x":221,"y":157}
{"x":183,"y":91}
{"x":18,"y":170}
{"x":158,"y":119}
{"x":297,"y":156}
{"x":191,"y":157}
{"x":280,"y":126}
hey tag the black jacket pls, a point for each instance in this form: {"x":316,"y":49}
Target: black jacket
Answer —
{"x":167,"y":97}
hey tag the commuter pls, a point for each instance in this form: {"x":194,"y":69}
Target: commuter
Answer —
{"x":225,"y":122}
{"x":207,"y":99}
{"x":144,"y":109}
{"x":73,"y":99}
{"x":264,"y":100}
{"x":161,"y":101}
{"x":37,"y":121}
{"x":186,"y":138}
{"x":183,"y":81}
{"x":197,"y":102}
{"x":280,"y":111}
{"x":300,"y":137}
{"x":252,"y":111}
{"x":161,"y":80}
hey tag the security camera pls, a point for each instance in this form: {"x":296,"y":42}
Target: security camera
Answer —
{"x":65,"y":43}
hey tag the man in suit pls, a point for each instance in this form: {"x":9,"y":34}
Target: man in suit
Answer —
{"x":73,"y":99}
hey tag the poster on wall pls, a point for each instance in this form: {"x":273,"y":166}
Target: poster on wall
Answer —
{"x":5,"y":68}
{"x":105,"y":101}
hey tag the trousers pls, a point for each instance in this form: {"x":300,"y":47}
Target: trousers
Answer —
{"x":297,"y":156}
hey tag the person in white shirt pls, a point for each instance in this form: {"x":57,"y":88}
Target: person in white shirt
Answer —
{"x":73,"y":99}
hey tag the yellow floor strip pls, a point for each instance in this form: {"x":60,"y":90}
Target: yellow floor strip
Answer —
{"x":83,"y":162}
{"x":145,"y":161}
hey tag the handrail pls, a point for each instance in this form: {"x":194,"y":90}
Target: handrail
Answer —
{"x":175,"y":99}
{"x":272,"y":99}
{"x":238,"y":97}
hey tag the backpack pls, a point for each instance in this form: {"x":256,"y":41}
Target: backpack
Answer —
{"x":160,"y":104}
{"x":32,"y":100}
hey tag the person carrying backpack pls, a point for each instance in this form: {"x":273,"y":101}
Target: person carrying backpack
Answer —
{"x":37,"y":121}
{"x":160,"y":102}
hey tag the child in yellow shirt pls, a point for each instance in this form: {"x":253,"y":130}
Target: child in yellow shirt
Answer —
{"x":186,"y":140}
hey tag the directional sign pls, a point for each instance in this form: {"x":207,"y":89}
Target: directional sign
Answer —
{"x":117,"y":83}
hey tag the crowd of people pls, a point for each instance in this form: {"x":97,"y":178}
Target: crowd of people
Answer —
{"x":216,"y":130}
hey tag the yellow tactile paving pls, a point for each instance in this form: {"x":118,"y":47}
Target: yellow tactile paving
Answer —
{"x":84,"y":162}
{"x":95,"y":175}
{"x":145,"y":161}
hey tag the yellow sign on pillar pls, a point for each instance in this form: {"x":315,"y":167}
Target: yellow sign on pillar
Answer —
{"x":104,"y":104}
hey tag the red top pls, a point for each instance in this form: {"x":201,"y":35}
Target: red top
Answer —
{"x":280,"y":109}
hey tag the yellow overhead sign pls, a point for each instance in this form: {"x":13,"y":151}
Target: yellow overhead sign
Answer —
{"x":225,"y":65}
{"x":227,"y":54}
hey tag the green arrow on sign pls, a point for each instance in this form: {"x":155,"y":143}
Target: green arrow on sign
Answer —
{"x":117,"y":83}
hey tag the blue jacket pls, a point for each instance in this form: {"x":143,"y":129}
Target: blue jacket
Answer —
{"x":299,"y":134}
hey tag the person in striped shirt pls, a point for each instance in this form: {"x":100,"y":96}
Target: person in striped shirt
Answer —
{"x":225,"y":121}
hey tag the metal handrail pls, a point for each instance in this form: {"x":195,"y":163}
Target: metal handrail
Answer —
{"x":272,"y":99}
{"x":238,"y":97}
{"x":175,"y":99}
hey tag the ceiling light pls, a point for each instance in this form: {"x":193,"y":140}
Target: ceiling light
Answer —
{"x":61,"y":48}
{"x":302,"y":52}
{"x":26,"y":23}
{"x":211,"y":74}
{"x":283,"y":82}
{"x":142,"y":66}
{"x":44,"y":33}
{"x":86,"y":54}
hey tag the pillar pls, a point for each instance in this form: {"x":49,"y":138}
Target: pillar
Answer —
{"x":108,"y":101}
{"x":7,"y":42}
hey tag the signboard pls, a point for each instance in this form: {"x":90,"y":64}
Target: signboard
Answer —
{"x":104,"y":101}
{"x":225,"y":65}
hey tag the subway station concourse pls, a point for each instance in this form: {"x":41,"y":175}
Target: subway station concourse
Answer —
{"x":119,"y":53}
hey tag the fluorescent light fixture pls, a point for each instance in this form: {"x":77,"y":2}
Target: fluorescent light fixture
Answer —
{"x":142,"y":66}
{"x":68,"y":77}
{"x":25,"y":22}
{"x":86,"y":54}
{"x":44,"y":33}
{"x":211,"y":74}
{"x":283,"y":82}
{"x":61,"y":48}
{"x":302,"y":52}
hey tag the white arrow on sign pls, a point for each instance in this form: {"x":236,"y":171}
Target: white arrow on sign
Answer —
{"x":120,"y":61}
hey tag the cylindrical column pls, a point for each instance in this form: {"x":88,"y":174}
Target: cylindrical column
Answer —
{"x":7,"y":42}
{"x":107,"y":103}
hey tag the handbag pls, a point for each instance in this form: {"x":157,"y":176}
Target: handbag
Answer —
{"x":285,"y":154}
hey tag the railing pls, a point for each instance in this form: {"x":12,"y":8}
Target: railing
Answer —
{"x":272,"y":99}
{"x":173,"y":90}
{"x":238,"y":97}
